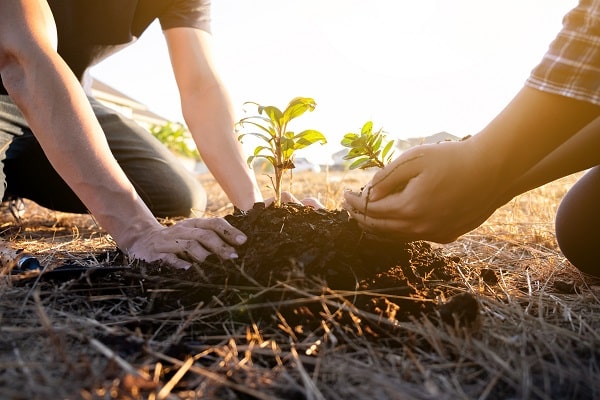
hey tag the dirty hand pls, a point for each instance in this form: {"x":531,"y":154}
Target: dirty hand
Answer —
{"x":188,"y":241}
{"x":431,"y":192}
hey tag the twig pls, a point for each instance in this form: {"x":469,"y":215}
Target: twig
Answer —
{"x":311,"y":390}
{"x":183,"y":369}
{"x":111,"y":355}
{"x":213,"y":376}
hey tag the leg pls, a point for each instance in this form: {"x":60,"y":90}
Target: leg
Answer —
{"x":164,"y":185}
{"x":161,"y":180}
{"x":577,"y":223}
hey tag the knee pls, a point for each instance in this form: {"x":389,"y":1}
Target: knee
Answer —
{"x":191,"y":201}
{"x":577,"y":221}
{"x":177,"y":198}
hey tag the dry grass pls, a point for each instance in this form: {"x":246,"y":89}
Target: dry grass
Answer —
{"x":535,"y":341}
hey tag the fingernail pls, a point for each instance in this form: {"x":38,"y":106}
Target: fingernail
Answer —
{"x":241,"y":239}
{"x":233,"y":256}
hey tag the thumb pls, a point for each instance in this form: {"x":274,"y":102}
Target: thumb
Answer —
{"x":395,"y":176}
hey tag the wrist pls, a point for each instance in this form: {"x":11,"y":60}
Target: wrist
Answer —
{"x":246,"y":203}
{"x":130,"y":235}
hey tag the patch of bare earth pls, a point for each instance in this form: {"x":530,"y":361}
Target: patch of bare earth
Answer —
{"x":312,"y":309}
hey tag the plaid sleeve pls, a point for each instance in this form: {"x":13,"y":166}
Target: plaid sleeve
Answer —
{"x":571,"y":66}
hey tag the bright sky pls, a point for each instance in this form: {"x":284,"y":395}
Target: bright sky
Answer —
{"x":414,"y":68}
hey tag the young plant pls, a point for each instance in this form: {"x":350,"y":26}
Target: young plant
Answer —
{"x":366,"y":148}
{"x":279,"y":143}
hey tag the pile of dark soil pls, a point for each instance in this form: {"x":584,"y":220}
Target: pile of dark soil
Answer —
{"x":295,"y":258}
{"x":293,"y":248}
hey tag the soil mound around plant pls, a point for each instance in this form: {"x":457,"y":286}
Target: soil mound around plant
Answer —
{"x":295,"y":257}
{"x":315,"y":250}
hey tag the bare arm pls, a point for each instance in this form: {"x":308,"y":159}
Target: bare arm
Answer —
{"x":537,"y":134}
{"x":209,"y":116}
{"x":438,"y":192}
{"x":57,"y":110}
{"x":578,"y":153}
{"x":60,"y":116}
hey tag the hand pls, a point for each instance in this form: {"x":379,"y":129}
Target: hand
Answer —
{"x":431,"y":192}
{"x":287,"y":197}
{"x":188,"y":241}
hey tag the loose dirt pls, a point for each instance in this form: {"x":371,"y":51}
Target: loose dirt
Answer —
{"x":293,"y":250}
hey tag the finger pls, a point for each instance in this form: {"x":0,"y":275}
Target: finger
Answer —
{"x":227,"y":232}
{"x":287,"y":197}
{"x":269,"y":201}
{"x":388,"y":228}
{"x":395,"y":205}
{"x":204,"y":243}
{"x":172,"y":260}
{"x":220,"y":226}
{"x":396,"y":175}
{"x":393,"y":229}
{"x":198,"y":237}
{"x":209,"y":241}
{"x":354,"y":201}
{"x":194,"y":244}
{"x":313,"y":202}
{"x":176,"y":262}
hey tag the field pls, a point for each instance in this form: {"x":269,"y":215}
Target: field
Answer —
{"x":100,"y":334}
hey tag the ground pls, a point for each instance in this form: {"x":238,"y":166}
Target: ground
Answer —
{"x":312,"y":309}
{"x":319,"y":250}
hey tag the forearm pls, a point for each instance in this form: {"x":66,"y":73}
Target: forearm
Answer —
{"x":61,"y":118}
{"x":210,"y":119}
{"x":533,"y":141}
{"x":578,"y":153}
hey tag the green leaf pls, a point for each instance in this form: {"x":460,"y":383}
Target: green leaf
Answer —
{"x":377,"y":143}
{"x":255,"y":134}
{"x":269,"y":128}
{"x":353,"y":153}
{"x":387,"y":149}
{"x":287,"y":153}
{"x":369,"y":164}
{"x":266,"y":157}
{"x":367,"y":128}
{"x":308,"y":137}
{"x":258,"y":149}
{"x":358,"y":163}
{"x":272,"y":126}
{"x":287,"y":144}
{"x":297,"y":107}
{"x":274,"y":114}
{"x":366,"y":148}
{"x":348,"y":139}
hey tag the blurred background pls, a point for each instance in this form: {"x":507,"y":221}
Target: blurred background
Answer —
{"x":413,"y":68}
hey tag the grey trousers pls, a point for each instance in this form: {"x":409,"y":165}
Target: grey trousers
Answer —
{"x":164,"y":184}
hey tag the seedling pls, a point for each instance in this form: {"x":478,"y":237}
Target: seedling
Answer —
{"x":281,"y":144}
{"x":366,"y":148}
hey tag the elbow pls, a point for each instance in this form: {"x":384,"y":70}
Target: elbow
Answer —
{"x":12,"y":73}
{"x":211,"y":97}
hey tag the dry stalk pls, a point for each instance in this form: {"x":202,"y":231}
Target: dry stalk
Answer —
{"x":534,"y":341}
